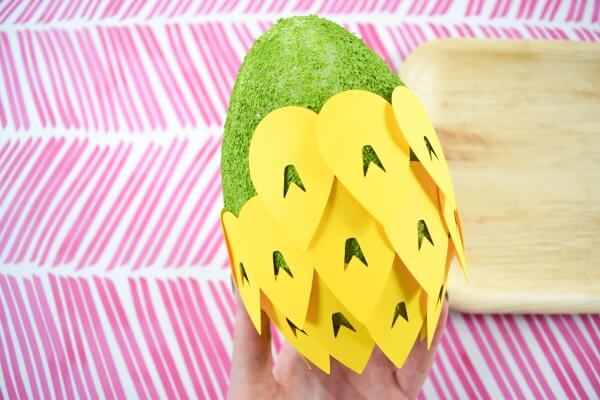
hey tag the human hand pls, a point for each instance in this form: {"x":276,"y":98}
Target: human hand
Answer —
{"x":255,"y":376}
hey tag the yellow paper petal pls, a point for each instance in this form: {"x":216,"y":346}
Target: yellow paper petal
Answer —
{"x":347,"y":225}
{"x":452,"y":225}
{"x":418,"y":131}
{"x":303,"y":339}
{"x":427,"y":262}
{"x":423,"y":332}
{"x":436,"y":301}
{"x":231,"y":221}
{"x":344,"y":337}
{"x":354,"y":122}
{"x":399,"y":316}
{"x":246,"y":285}
{"x":284,"y":145}
{"x":289,"y":286}
{"x":458,"y":220}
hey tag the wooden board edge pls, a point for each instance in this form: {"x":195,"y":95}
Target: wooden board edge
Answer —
{"x":466,"y":298}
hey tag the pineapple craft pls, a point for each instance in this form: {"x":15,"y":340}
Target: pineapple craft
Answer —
{"x":340,"y":216}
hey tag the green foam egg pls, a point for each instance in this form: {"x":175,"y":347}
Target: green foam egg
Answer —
{"x":300,"y":61}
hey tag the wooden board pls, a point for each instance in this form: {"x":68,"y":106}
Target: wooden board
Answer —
{"x":520,"y":125}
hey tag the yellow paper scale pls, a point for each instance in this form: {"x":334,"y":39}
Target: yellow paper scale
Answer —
{"x":348,"y":242}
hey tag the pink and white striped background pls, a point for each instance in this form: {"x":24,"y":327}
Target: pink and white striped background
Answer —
{"x":113,"y":278}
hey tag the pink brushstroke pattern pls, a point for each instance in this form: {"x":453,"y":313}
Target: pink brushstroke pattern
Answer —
{"x":113,"y":280}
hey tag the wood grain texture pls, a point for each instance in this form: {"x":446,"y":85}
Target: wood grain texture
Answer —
{"x":520,"y":125}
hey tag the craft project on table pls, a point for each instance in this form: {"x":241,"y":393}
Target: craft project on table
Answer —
{"x":350,"y":236}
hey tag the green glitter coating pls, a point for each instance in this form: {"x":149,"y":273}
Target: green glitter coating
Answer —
{"x":423,"y":233}
{"x":352,"y":249}
{"x":290,"y":175}
{"x":301,"y":61}
{"x":369,"y":156}
{"x":338,"y":320}
{"x":280,"y":264}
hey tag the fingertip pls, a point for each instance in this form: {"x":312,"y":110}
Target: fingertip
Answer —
{"x":441,"y":325}
{"x":251,"y":350}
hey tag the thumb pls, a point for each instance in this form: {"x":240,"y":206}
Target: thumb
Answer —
{"x":416,"y":368}
{"x":252,"y":361}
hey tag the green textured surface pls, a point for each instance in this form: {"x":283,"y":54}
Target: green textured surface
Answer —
{"x":301,"y":61}
{"x":352,"y":249}
{"x":290,"y":175}
{"x":280,"y":264}
{"x":370,"y":157}
{"x":423,"y":233}
{"x":338,"y":320}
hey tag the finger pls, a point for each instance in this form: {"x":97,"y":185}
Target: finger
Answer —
{"x":413,"y":373}
{"x":441,"y":325}
{"x":251,"y":352}
{"x":308,"y":381}
{"x":289,"y":361}
{"x":376,"y":381}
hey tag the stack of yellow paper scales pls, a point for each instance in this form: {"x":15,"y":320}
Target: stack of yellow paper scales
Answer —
{"x":348,"y":242}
